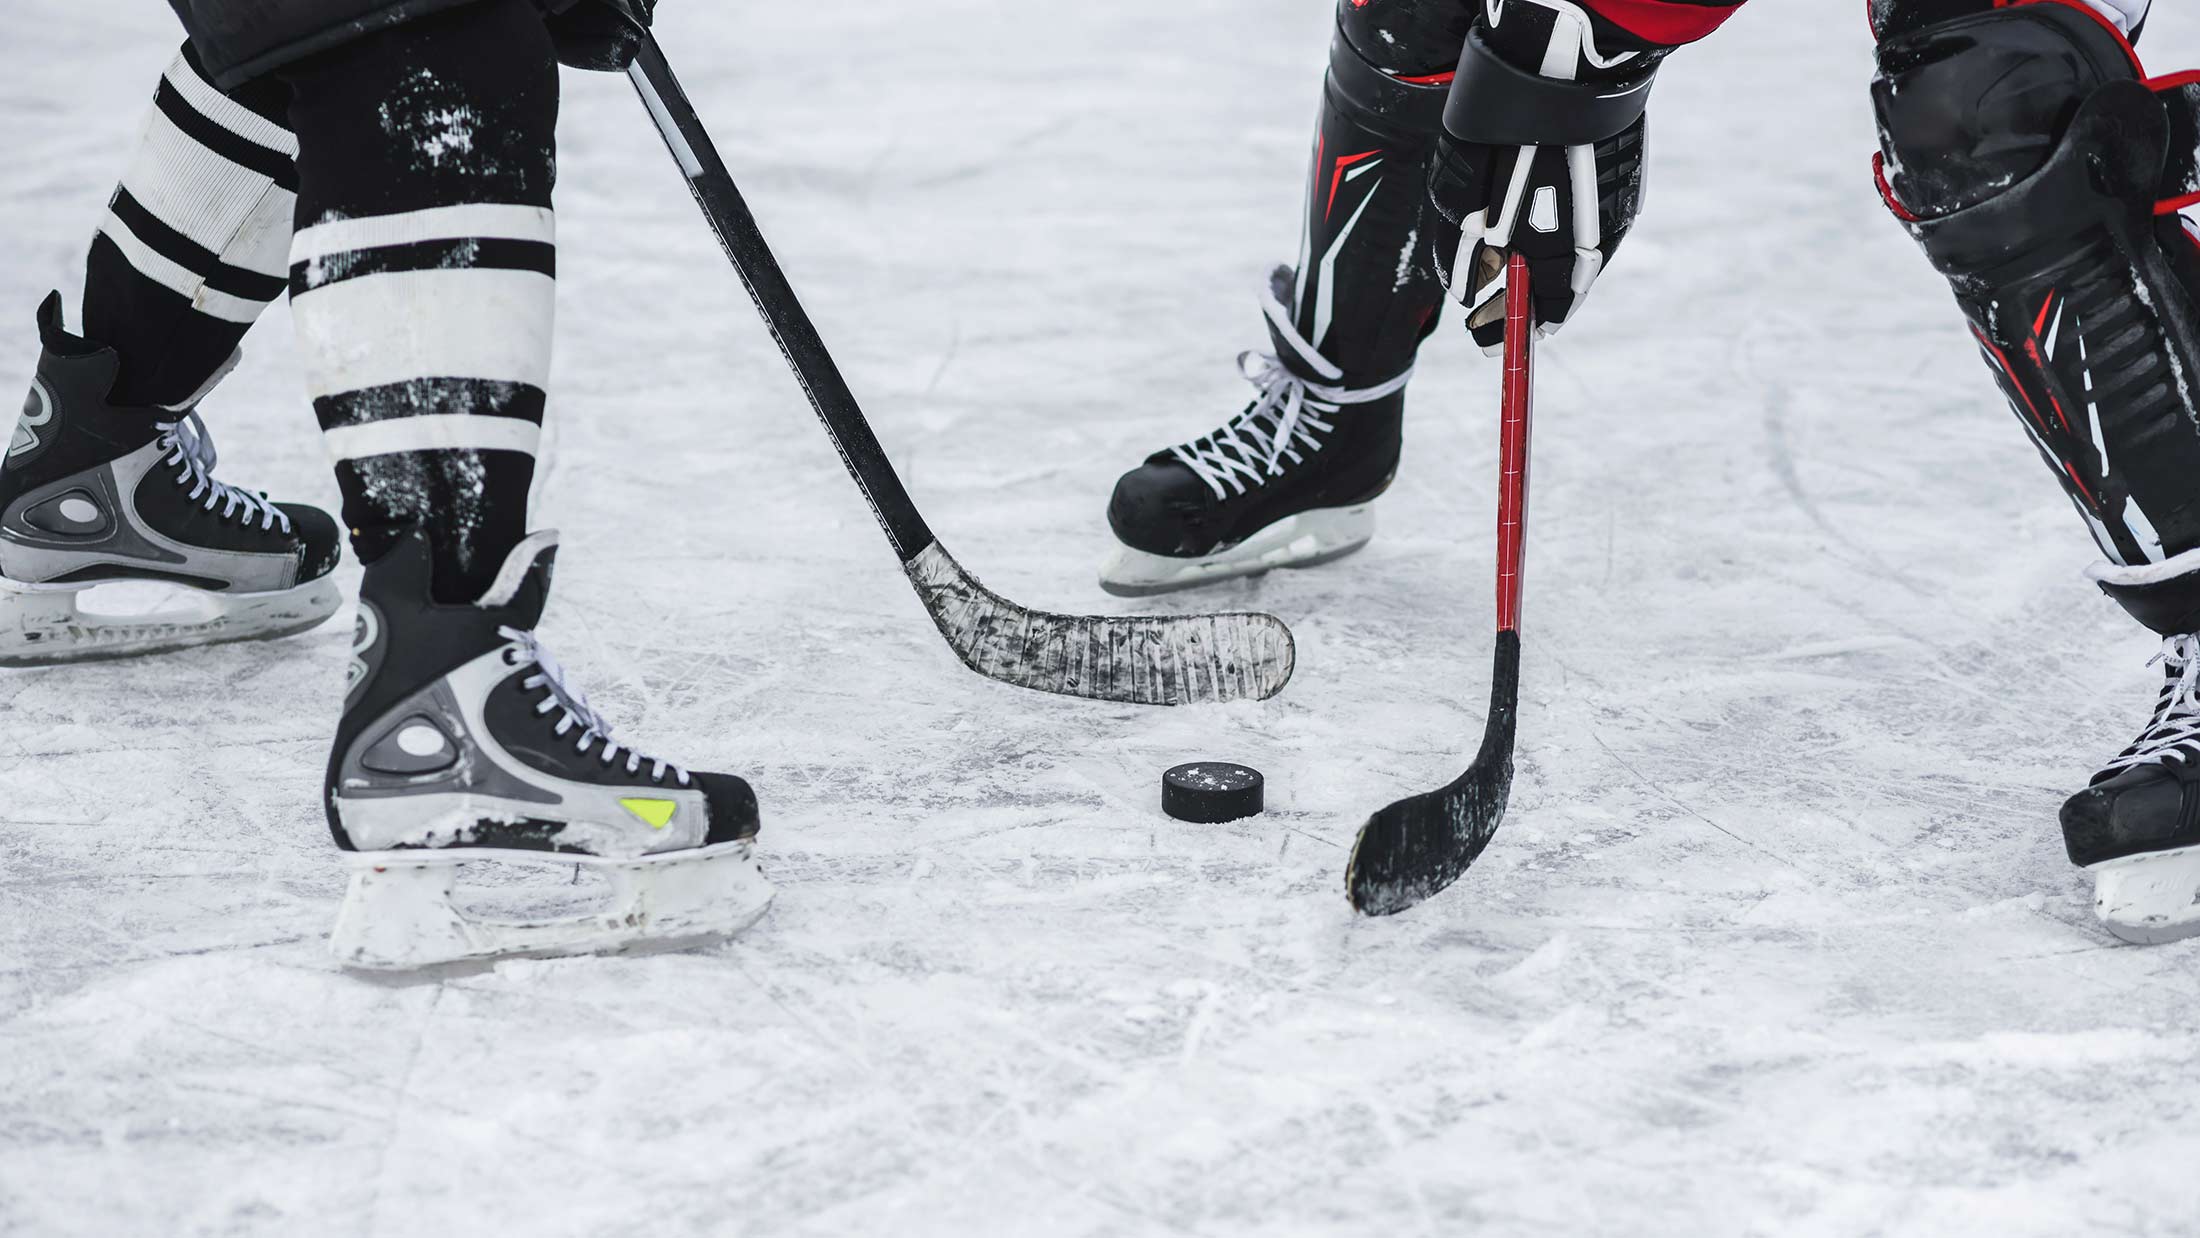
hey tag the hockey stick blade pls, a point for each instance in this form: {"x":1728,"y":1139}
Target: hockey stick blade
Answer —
{"x":1417,"y":846}
{"x":1137,"y":660}
{"x":1421,"y":844}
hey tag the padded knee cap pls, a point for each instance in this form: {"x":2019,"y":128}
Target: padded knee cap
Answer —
{"x":1970,"y":106}
{"x":1390,"y":64}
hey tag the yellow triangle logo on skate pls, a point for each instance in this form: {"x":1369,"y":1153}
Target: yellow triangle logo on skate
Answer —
{"x":657,"y":814}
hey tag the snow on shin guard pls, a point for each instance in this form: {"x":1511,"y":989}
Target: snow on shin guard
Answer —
{"x":2030,"y":159}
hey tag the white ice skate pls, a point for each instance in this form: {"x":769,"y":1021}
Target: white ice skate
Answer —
{"x":462,"y":745}
{"x":93,"y":495}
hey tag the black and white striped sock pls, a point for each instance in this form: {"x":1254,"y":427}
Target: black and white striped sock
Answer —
{"x":422,"y":277}
{"x":195,"y":241}
{"x":427,"y":339}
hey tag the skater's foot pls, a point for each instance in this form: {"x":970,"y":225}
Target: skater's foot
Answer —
{"x":461,"y":741}
{"x":1288,"y":482}
{"x":93,"y":493}
{"x":2137,"y":827}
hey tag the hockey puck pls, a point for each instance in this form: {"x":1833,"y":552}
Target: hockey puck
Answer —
{"x":1211,"y":792}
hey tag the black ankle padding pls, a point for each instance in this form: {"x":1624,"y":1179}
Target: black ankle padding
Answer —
{"x":2170,"y":607}
{"x":55,"y":338}
{"x":1971,"y":106}
{"x":403,"y":630}
{"x":69,"y":422}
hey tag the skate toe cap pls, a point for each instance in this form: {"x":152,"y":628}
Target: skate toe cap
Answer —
{"x":320,"y":537}
{"x":1160,"y":507}
{"x":2087,"y":832}
{"x":2139,"y":809}
{"x":733,"y":814}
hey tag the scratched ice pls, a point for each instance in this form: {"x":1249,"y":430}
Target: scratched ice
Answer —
{"x":1779,"y":939}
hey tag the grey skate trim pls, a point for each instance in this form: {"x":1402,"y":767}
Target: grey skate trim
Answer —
{"x":1307,"y":539}
{"x":42,"y":625}
{"x":2168,"y":569}
{"x":1139,"y":660}
{"x":77,"y":513}
{"x":367,"y":650}
{"x":38,"y":410}
{"x":119,"y":537}
{"x":449,"y":792}
{"x":517,"y":564}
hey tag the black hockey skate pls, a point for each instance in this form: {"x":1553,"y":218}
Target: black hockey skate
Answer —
{"x":93,"y":493}
{"x":461,"y":741}
{"x":1286,"y":483}
{"x":2136,"y":828}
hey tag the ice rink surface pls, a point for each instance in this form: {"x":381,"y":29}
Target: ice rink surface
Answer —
{"x":1778,"y":940}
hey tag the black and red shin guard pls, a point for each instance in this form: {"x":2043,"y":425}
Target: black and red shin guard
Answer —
{"x":2051,"y":206}
{"x":1363,"y":293}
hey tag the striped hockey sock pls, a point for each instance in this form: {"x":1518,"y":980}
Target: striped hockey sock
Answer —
{"x":422,"y":278}
{"x":195,"y":241}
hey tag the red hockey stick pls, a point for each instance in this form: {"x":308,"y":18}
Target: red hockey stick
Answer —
{"x":1423,"y":843}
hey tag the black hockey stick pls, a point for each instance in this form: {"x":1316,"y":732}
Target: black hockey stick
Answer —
{"x":1423,"y":843}
{"x":1142,"y":660}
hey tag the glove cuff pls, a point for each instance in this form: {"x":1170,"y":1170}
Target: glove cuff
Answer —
{"x":1495,"y":104}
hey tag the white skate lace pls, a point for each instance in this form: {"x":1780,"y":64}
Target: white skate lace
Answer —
{"x":192,"y":449}
{"x":2174,"y":735}
{"x":578,"y":713}
{"x":1290,"y":413}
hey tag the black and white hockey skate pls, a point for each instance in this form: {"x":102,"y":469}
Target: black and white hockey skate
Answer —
{"x":1286,"y":483}
{"x":461,"y":742}
{"x":2136,"y":828}
{"x":92,"y":493}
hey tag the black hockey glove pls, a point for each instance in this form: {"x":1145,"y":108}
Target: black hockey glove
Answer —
{"x":603,"y":35}
{"x":1542,"y":153}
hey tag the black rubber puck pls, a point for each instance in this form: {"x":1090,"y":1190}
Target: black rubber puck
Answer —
{"x":1211,"y":792}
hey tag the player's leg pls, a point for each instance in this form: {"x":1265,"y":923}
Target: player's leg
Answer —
{"x":2050,"y":205}
{"x":108,"y":474}
{"x":1287,"y":482}
{"x":422,"y":285}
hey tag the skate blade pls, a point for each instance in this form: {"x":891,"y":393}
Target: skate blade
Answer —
{"x":2149,"y":899}
{"x":402,"y":909}
{"x":42,"y":627}
{"x":1308,"y":539}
